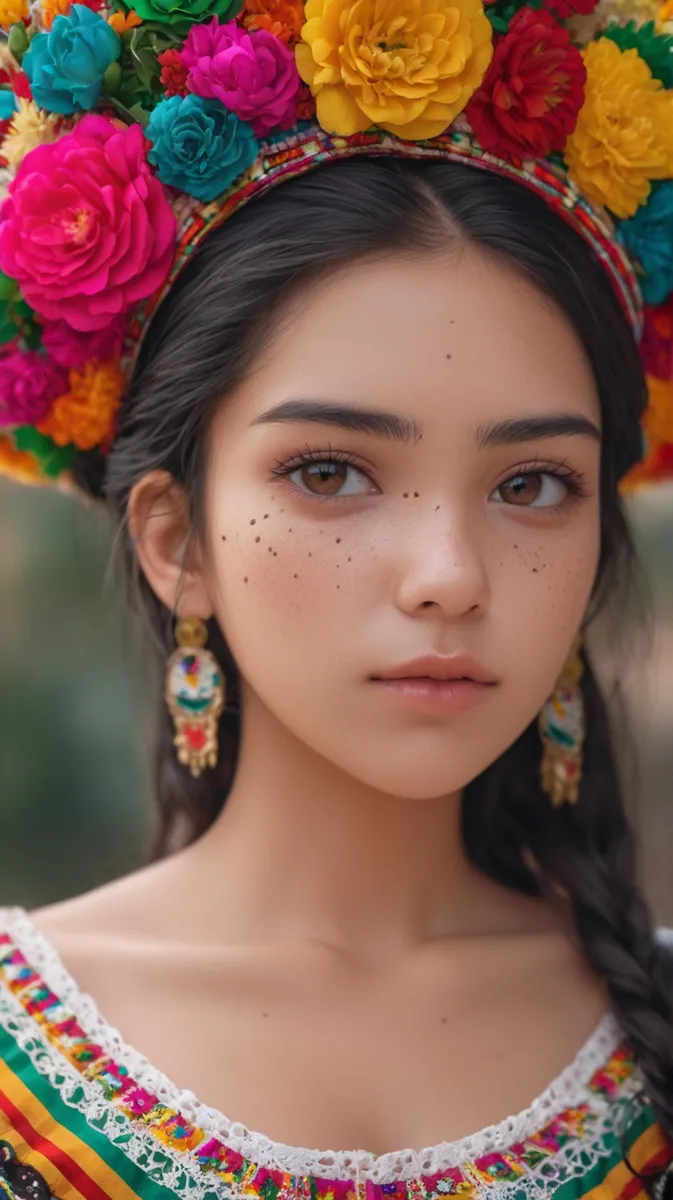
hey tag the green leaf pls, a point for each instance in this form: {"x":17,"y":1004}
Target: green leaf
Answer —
{"x":500,"y":14}
{"x":140,"y":115}
{"x":18,"y":41}
{"x":52,"y":458}
{"x":113,"y":102}
{"x":9,"y":288}
{"x":112,"y":78}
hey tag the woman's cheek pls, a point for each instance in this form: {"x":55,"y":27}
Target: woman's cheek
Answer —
{"x":280,"y":572}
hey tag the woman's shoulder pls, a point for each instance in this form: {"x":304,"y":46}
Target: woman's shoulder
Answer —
{"x":84,"y":1111}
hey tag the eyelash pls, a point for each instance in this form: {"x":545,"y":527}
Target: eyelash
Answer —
{"x":573,"y":479}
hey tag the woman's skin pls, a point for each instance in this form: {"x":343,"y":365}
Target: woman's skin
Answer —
{"x":324,"y":965}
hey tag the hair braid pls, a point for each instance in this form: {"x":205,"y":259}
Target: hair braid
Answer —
{"x":587,"y":853}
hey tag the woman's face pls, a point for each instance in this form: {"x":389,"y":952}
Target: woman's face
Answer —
{"x":442,"y":498}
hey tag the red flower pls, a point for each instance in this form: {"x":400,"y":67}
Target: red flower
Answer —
{"x":532,"y":92}
{"x":174,"y":73}
{"x":305,"y":104}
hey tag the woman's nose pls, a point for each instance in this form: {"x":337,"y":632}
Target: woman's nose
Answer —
{"x":444,"y":566}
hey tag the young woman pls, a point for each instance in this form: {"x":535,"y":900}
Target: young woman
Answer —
{"x":366,"y":474}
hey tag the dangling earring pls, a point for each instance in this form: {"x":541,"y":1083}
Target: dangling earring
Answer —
{"x":561,"y":725}
{"x":194,"y":692}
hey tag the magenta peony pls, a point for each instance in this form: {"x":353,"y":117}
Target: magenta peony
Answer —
{"x":251,"y":72}
{"x":86,"y":229}
{"x":29,"y":383}
{"x":70,"y":348}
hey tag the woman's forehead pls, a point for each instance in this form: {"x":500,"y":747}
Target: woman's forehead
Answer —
{"x":459,"y":336}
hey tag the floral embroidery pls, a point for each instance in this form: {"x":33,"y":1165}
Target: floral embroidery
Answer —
{"x":248,"y":1180}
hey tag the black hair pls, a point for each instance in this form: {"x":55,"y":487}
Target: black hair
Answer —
{"x":205,"y":338}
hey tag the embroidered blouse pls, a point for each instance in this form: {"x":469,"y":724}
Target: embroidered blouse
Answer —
{"x":84,"y":1116}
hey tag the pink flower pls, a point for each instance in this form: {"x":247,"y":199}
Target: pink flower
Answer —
{"x":251,"y":72}
{"x":70,"y":348}
{"x":29,"y":383}
{"x":86,"y":229}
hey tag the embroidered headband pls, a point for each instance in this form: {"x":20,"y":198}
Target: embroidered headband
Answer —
{"x":129,"y":134}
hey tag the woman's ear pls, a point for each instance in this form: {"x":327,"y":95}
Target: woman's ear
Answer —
{"x":167,"y":548}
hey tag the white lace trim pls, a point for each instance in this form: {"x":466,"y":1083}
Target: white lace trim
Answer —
{"x":568,"y":1090}
{"x":176,"y":1170}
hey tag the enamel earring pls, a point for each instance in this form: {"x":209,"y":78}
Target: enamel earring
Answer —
{"x":561,"y":726}
{"x":194,"y":691}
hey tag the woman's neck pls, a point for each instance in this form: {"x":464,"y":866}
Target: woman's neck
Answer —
{"x":304,"y":851}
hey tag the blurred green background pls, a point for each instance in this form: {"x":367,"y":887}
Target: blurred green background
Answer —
{"x":74,"y":783}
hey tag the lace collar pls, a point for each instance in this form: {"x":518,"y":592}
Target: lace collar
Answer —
{"x":600,"y":1072}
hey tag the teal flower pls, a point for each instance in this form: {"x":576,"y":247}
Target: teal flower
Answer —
{"x":66,"y":66}
{"x":648,"y":236}
{"x":8,"y":104}
{"x":199,"y":146}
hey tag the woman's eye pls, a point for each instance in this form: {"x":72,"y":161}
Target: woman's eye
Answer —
{"x":326,"y":478}
{"x":534,"y":489}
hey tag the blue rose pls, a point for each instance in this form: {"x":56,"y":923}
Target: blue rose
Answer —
{"x":66,"y":66}
{"x":648,"y":236}
{"x":199,"y":146}
{"x":8,"y":105}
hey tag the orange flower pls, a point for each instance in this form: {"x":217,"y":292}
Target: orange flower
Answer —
{"x":86,"y":415}
{"x":658,"y":427}
{"x":18,"y":464}
{"x":658,"y":421}
{"x":54,"y":8}
{"x":284,"y":18}
{"x":13,"y":11}
{"x":122,"y":22}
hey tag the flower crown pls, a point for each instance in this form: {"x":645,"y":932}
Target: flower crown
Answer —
{"x":128,"y":134}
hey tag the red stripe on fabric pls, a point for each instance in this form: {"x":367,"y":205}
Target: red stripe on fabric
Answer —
{"x":634,"y":1187}
{"x":65,"y":1164}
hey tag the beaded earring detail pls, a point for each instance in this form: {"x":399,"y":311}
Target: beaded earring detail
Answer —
{"x":561,"y":725}
{"x":194,"y":694}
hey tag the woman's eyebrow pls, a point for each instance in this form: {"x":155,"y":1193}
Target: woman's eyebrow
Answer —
{"x":361,"y":420}
{"x":404,"y":429}
{"x":529,"y":429}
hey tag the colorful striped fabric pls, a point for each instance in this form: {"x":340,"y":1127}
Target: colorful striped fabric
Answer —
{"x":76,"y":1125}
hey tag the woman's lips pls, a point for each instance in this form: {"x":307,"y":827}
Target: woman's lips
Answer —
{"x":436,"y":695}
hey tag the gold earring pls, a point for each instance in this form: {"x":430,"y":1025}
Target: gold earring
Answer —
{"x":195,"y":693}
{"x":562,"y":731}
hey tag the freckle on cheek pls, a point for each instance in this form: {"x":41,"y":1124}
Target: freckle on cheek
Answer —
{"x":253,"y":521}
{"x":258,"y":538}
{"x":417,"y":494}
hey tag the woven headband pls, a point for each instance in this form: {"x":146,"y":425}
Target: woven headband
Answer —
{"x":129,"y":134}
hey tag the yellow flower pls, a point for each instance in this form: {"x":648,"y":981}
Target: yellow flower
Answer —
{"x":31,"y":126}
{"x":12,"y":11}
{"x":664,"y":21}
{"x":85,"y":416}
{"x":624,"y":132}
{"x":18,"y":464}
{"x":408,"y":66}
